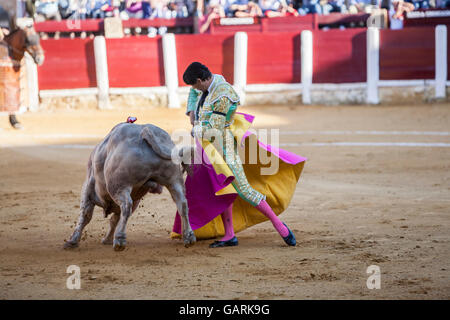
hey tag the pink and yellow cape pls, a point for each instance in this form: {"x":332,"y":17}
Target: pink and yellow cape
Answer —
{"x":209,"y":190}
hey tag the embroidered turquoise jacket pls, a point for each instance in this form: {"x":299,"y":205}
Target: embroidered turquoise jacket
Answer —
{"x":218,"y":109}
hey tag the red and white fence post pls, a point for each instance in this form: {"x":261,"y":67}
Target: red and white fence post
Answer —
{"x":440,"y":61}
{"x":32,"y":83}
{"x":240,"y":64}
{"x":101,"y":72}
{"x":373,"y":65}
{"x":170,"y":69}
{"x":306,"y":65}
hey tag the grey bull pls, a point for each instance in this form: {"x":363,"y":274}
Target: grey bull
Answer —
{"x":131,"y":161}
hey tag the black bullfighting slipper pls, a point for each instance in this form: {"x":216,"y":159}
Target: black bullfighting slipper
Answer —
{"x":290,"y":238}
{"x":229,"y":243}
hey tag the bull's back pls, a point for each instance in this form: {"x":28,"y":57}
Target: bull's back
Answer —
{"x":124,"y":150}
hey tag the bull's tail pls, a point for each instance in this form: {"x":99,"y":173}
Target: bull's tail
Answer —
{"x":159,"y":144}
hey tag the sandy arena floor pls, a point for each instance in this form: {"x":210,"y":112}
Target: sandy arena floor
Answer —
{"x":355,"y":206}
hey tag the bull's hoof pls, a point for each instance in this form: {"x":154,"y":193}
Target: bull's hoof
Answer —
{"x":189,"y":239}
{"x":119,"y":244}
{"x":70,"y":245}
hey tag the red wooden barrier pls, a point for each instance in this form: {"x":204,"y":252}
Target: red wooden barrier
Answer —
{"x":339,"y":56}
{"x":407,"y":54}
{"x":334,"y":18}
{"x":93,"y":25}
{"x":158,"y":22}
{"x":135,"y":62}
{"x":215,"y":51}
{"x":281,"y":24}
{"x":68,"y":64}
{"x":290,"y":23}
{"x":273,"y":58}
{"x":427,"y":18}
{"x":96,"y":25}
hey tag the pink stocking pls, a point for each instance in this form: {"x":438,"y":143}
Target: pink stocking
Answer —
{"x":227,"y":218}
{"x":267,"y":211}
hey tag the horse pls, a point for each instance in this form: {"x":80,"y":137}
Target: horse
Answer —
{"x":17,"y":42}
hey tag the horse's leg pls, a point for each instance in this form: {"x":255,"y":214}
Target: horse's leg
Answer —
{"x":14,"y":122}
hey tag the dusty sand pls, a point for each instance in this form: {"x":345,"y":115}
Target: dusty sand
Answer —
{"x":354,"y":207}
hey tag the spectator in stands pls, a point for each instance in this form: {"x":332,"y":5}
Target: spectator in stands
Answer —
{"x":134,"y":9}
{"x":160,"y":9}
{"x":213,"y":10}
{"x":146,"y":9}
{"x":442,"y":4}
{"x":356,"y":6}
{"x":96,"y":9}
{"x":47,"y":10}
{"x":181,"y":8}
{"x":421,"y":4}
{"x":292,"y":7}
{"x":81,"y":12}
{"x":335,"y":6}
{"x":65,"y":9}
{"x":222,"y":5}
{"x":396,"y":11}
{"x":277,"y":8}
{"x":323,"y":6}
{"x":244,"y":8}
{"x":312,"y":6}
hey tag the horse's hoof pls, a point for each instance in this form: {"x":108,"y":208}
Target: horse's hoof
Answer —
{"x":70,"y":245}
{"x":107,"y":241}
{"x":119,"y":244}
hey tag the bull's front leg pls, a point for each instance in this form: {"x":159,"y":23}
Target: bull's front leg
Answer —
{"x":123,"y":199}
{"x":177,"y":192}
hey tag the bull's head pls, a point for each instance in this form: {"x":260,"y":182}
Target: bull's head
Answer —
{"x":186,"y":154}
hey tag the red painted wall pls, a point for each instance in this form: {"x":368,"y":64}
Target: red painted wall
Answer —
{"x":68,"y":64}
{"x":135,"y":62}
{"x":273,"y":58}
{"x":339,"y":56}
{"x":215,"y":51}
{"x":407,"y":54}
